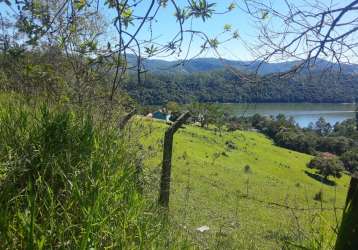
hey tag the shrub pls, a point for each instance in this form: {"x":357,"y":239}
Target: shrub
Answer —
{"x":224,"y":154}
{"x":350,"y":160}
{"x":231,"y":145}
{"x":327,"y":166}
{"x":247,"y":169}
{"x":318,"y":196}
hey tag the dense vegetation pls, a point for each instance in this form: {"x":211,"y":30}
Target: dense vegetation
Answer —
{"x":230,"y":86}
{"x":77,"y":80}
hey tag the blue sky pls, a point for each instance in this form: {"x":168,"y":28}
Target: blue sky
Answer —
{"x":165,"y":26}
{"x":241,"y":49}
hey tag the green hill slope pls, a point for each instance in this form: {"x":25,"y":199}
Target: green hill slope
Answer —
{"x":251,"y":194}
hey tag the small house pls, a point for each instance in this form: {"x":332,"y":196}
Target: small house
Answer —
{"x":161,"y":116}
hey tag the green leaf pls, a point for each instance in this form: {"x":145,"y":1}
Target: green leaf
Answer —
{"x":80,"y":4}
{"x":214,"y":43}
{"x":127,"y":17}
{"x":227,"y":27}
{"x":201,"y":9}
{"x":150,"y":50}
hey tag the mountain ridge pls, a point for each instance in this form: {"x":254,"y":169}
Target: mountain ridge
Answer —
{"x":262,"y":68}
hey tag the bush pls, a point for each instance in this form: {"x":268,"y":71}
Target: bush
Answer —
{"x":318,"y":196}
{"x":327,"y":166}
{"x":350,"y":160}
{"x":231,"y":145}
{"x":65,"y":183}
{"x":247,"y":169}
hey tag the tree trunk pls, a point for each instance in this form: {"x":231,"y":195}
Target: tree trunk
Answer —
{"x":167,"y":160}
{"x":347,"y":238}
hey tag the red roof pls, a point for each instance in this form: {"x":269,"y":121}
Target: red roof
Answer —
{"x":327,"y":155}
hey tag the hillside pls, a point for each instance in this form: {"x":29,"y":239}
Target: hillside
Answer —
{"x":244,"y":209}
{"x":227,"y":86}
{"x":60,"y":164}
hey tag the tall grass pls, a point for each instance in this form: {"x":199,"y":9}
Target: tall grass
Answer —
{"x":66,"y":184}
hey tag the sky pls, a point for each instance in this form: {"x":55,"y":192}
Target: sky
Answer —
{"x":165,"y":26}
{"x":246,"y":47}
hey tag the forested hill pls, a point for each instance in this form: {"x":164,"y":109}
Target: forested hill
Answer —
{"x":227,"y":86}
{"x":209,"y":64}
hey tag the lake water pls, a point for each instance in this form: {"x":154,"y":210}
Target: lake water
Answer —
{"x":303,"y":113}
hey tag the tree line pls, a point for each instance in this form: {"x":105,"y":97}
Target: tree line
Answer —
{"x":231,"y":86}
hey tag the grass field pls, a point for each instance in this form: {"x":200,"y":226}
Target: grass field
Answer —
{"x":70,"y":181}
{"x":249,"y":192}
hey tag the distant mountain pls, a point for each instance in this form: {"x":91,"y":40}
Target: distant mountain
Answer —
{"x":209,"y":64}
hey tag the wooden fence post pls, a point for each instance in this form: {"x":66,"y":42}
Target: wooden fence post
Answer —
{"x":347,"y":238}
{"x":167,"y":160}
